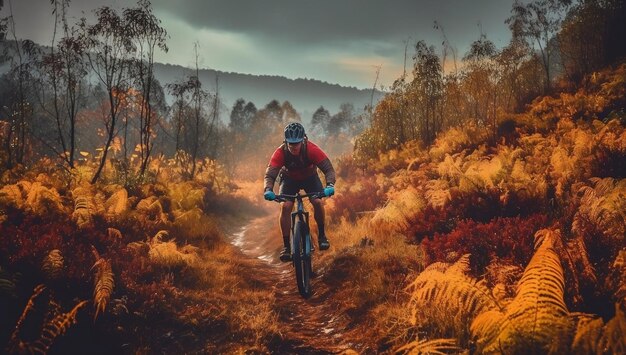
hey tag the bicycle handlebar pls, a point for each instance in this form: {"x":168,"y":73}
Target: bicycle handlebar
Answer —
{"x":283,"y":197}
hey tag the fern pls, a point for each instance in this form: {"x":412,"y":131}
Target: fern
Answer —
{"x":103,"y":283}
{"x":613,"y":340}
{"x":438,"y":192}
{"x":588,"y":334}
{"x":82,"y":212}
{"x":445,"y":297}
{"x":42,"y":200}
{"x":12,"y":194}
{"x":152,"y":208}
{"x":619,"y":268}
{"x":52,"y":265}
{"x":114,"y":234}
{"x":56,"y":327}
{"x":167,"y":253}
{"x":16,"y":344}
{"x":604,"y":207}
{"x":117,"y":203}
{"x":55,"y":324}
{"x":537,"y":315}
{"x":399,"y":211}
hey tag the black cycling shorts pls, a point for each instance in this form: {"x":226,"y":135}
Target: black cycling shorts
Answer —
{"x":290,"y":186}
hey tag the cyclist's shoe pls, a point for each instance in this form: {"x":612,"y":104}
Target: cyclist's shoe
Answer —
{"x":285,"y":254}
{"x":323,"y":242}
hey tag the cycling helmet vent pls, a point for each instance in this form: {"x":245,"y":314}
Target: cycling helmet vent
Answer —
{"x":294,"y":132}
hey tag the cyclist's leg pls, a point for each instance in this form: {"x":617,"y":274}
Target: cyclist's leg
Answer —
{"x":288,"y":187}
{"x":314,"y":184}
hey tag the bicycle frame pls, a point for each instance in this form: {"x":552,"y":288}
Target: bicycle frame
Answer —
{"x":301,"y":245}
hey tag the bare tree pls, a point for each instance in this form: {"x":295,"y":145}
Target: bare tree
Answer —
{"x":538,"y":22}
{"x":148,"y":35}
{"x":110,"y":46}
{"x":63,"y":71}
{"x":18,"y":109}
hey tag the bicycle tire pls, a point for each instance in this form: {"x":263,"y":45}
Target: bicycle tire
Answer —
{"x":302,"y":259}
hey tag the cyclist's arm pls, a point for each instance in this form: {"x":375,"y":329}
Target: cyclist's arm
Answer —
{"x":273,"y":168}
{"x":271,"y":173}
{"x":329,"y":172}
{"x":321,"y":160}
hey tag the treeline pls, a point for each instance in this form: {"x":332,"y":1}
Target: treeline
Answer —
{"x":554,"y":44}
{"x":92,"y":95}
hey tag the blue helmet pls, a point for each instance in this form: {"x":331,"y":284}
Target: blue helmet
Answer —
{"x":294,"y":132}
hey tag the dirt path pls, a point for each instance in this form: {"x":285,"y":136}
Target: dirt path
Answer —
{"x":308,"y":326}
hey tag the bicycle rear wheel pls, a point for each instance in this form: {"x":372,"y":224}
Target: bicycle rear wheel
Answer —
{"x":302,"y":259}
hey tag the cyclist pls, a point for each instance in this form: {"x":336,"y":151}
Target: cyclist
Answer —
{"x":296,"y":161}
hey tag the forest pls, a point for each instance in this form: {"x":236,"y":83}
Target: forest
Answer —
{"x":479,"y":209}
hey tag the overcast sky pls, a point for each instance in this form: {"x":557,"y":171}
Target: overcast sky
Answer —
{"x":338,"y":41}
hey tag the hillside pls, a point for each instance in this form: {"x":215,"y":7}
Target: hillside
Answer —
{"x":492,"y":246}
{"x":306,"y":95}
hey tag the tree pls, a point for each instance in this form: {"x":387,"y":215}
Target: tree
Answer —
{"x":341,"y":121}
{"x":271,"y":113}
{"x":289,"y":113}
{"x":320,"y":119}
{"x":537,"y":23}
{"x":427,"y":93}
{"x":17,"y":108}
{"x":481,"y":82}
{"x":62,"y":72}
{"x":237,"y":120}
{"x":148,"y":35}
{"x":109,"y":49}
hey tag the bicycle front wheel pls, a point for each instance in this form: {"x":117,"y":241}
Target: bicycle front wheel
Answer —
{"x":302,"y":259}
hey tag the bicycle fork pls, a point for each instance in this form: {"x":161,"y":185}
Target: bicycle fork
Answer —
{"x":303,"y":216}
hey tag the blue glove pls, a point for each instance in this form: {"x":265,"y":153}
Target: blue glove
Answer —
{"x":329,"y":191}
{"x":269,"y":195}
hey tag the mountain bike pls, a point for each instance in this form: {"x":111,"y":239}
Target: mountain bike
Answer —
{"x":301,"y":244}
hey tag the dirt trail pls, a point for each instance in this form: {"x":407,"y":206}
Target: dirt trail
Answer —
{"x":308,"y":326}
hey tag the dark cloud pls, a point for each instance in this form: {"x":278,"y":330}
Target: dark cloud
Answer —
{"x":341,"y":20}
{"x":334,"y":40}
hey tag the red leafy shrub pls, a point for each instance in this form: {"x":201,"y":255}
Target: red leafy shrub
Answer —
{"x":351,"y":200}
{"x":430,"y":221}
{"x":27,"y":238}
{"x":508,"y":238}
{"x":491,"y":203}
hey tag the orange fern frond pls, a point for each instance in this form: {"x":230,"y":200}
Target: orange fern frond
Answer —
{"x":56,"y":327}
{"x":103,"y":283}
{"x":16,"y":344}
{"x":538,"y":314}
{"x":114,"y":234}
{"x":117,"y":203}
{"x":52,"y":265}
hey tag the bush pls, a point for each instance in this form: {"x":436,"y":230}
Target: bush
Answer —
{"x":508,"y":238}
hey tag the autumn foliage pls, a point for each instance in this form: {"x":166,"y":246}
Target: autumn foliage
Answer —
{"x":490,"y":218}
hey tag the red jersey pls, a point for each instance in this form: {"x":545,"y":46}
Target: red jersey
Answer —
{"x":299,"y":168}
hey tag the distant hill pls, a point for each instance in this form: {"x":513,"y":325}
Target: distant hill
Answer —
{"x":305,"y":95}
